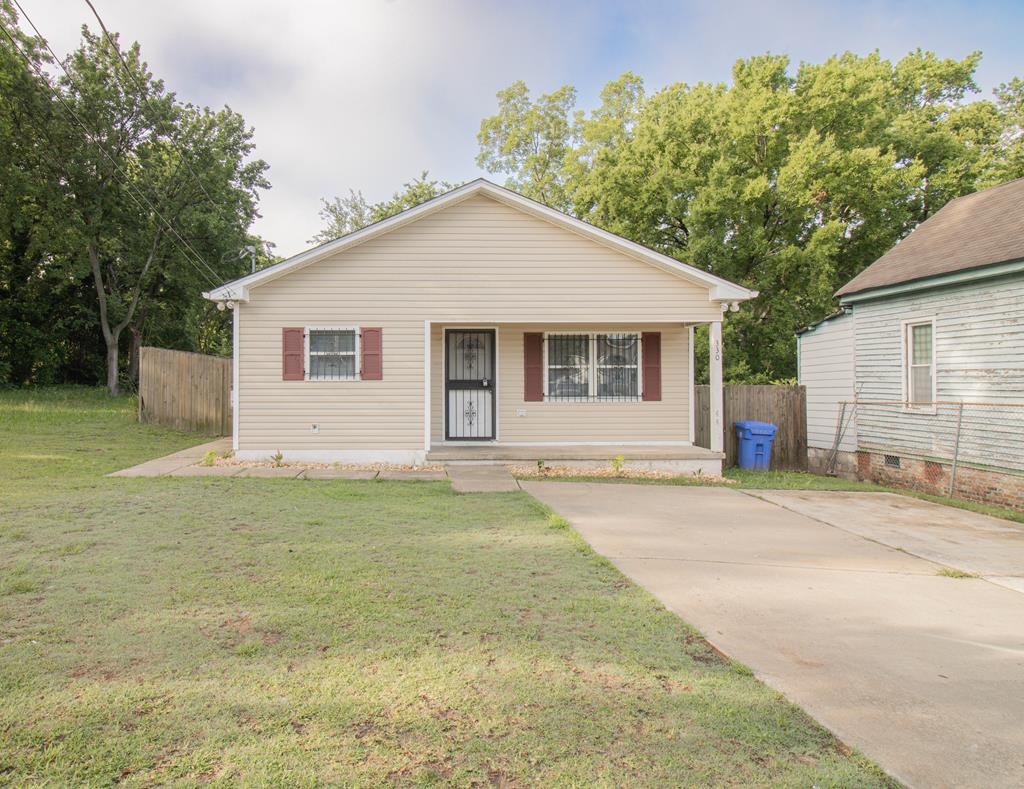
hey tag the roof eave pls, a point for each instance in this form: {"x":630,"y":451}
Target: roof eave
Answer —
{"x":986,"y":271}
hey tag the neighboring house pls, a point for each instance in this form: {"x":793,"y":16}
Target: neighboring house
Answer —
{"x":935,"y":322}
{"x":478,"y":325}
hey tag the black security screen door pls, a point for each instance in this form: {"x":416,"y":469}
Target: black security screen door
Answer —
{"x":469,"y":384}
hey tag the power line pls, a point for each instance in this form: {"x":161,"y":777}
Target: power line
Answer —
{"x":131,"y":189}
{"x":89,"y":133}
{"x":135,"y":79}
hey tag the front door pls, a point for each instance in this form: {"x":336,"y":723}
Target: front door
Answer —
{"x":469,"y":384}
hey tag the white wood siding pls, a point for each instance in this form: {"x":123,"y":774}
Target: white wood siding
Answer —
{"x":477,"y":262}
{"x":827,"y":370}
{"x":979,"y":357}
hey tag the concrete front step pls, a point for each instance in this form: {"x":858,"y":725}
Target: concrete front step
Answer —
{"x":481,"y":478}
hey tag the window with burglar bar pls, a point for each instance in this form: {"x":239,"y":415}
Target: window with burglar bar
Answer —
{"x":591,"y":366}
{"x":331,"y":354}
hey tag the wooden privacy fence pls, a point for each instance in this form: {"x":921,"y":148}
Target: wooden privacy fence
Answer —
{"x":783,"y":406}
{"x":185,"y":391}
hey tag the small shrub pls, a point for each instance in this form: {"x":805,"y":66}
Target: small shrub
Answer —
{"x":618,"y":462}
{"x":277,"y":457}
{"x":541,"y":468}
{"x":209,"y":458}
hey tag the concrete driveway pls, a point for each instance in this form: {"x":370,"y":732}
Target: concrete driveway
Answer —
{"x":923,"y":673}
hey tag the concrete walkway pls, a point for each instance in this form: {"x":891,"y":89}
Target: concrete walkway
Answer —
{"x":923,"y":673}
{"x":468,"y":478}
{"x":991,"y":548}
{"x":176,"y":461}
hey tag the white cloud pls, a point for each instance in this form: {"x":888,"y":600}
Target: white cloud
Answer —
{"x":364,"y":94}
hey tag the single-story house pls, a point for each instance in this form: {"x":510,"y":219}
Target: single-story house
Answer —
{"x":479,"y":325}
{"x":929,"y":340}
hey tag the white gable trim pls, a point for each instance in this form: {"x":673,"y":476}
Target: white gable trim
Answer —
{"x":718,"y":289}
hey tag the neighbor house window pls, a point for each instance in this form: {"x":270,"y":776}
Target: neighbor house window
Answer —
{"x":920,"y":362}
{"x":593,"y":366}
{"x":331,"y":353}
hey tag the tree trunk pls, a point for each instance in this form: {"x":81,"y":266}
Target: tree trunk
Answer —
{"x":133,"y":355}
{"x":112,"y":387}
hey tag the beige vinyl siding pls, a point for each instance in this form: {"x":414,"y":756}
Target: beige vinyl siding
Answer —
{"x":665,"y":420}
{"x":478,"y":261}
{"x":827,"y":372}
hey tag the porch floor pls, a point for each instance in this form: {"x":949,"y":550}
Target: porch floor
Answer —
{"x":490,"y":453}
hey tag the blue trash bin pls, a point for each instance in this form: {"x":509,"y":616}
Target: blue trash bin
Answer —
{"x":755,"y":443}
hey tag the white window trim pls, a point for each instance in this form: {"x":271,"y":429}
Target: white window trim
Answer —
{"x":905,"y":365}
{"x":357,"y":358}
{"x":592,"y":368}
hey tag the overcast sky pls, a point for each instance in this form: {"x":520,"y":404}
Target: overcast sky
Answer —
{"x":364,"y":94}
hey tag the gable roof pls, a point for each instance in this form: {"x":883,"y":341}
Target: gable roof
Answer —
{"x":718,"y":289}
{"x":975,"y":230}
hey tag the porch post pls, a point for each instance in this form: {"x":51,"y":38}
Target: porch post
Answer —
{"x":234,"y":378}
{"x":715,"y":367}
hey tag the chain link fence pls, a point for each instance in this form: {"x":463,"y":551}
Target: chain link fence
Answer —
{"x":986,"y":435}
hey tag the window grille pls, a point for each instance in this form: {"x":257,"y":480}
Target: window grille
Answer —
{"x":592,"y":366}
{"x":331,"y":354}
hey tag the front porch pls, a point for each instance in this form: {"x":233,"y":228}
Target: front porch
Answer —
{"x":574,"y":394}
{"x":681,"y":458}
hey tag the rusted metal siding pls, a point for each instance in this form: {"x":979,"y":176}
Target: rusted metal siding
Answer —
{"x":979,"y":357}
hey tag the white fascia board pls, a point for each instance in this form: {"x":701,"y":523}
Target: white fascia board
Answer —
{"x":718,"y":289}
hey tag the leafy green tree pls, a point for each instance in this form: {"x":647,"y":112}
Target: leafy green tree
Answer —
{"x":344,"y":215}
{"x":154,"y":189}
{"x":787,"y":183}
{"x":1008,"y":162}
{"x":532,"y":141}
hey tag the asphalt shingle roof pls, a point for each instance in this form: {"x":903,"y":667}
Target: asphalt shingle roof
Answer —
{"x":978,"y":229}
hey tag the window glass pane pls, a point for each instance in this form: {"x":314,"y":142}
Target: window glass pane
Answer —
{"x":921,"y":340}
{"x":921,"y":384}
{"x":571,"y":350}
{"x":321,"y":341}
{"x":567,"y":382}
{"x":332,"y":366}
{"x":617,"y":349}
{"x":617,"y":382}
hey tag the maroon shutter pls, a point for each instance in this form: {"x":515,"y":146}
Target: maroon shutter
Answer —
{"x":650,"y":346}
{"x":533,"y":366}
{"x":372,"y":350}
{"x":293,"y":354}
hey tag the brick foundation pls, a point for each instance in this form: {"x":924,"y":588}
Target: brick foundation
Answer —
{"x":986,"y":486}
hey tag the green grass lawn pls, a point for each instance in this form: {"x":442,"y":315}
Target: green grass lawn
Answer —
{"x":299,"y":633}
